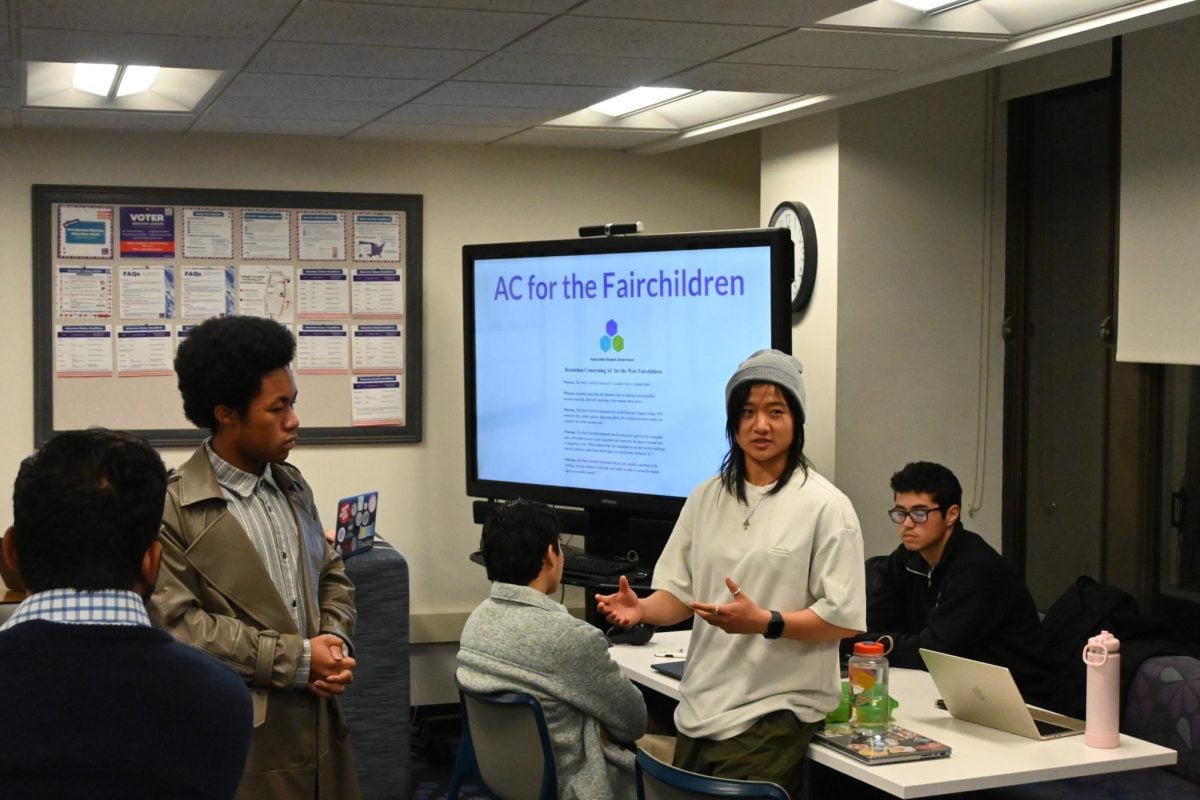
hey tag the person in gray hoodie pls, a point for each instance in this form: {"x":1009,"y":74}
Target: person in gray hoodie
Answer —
{"x":519,"y":639}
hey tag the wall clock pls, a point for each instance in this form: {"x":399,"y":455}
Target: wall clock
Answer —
{"x":794,"y":216}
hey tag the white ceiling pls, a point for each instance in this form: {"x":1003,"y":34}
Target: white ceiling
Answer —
{"x":498,"y":71}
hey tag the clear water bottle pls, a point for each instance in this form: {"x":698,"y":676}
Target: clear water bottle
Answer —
{"x":1102,"y":722}
{"x":868,"y":674}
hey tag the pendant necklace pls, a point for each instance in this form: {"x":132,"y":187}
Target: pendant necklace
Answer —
{"x":757,"y":503}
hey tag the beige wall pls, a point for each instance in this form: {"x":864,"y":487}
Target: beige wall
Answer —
{"x":800,"y":162}
{"x":472,"y":194}
{"x":902,"y":340}
{"x":918,"y":323}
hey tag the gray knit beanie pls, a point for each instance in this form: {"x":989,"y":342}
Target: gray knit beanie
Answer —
{"x":770,"y":366}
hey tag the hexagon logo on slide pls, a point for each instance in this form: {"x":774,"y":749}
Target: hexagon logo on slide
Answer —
{"x":610,"y":340}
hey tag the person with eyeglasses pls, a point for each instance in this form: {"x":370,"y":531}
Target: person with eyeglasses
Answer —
{"x":945,"y":588}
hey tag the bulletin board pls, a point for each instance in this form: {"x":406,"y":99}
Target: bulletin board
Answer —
{"x":121,"y":274}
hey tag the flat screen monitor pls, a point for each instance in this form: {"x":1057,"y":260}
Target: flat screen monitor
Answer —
{"x":596,"y":367}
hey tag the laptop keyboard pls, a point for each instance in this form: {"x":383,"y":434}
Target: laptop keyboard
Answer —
{"x":594,"y":565}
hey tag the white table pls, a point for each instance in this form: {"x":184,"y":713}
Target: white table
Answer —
{"x":982,"y":758}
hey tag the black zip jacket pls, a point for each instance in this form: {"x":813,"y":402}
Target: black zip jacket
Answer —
{"x":971,"y":604}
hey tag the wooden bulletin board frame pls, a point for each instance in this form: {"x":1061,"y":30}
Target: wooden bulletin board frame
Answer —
{"x":56,"y":401}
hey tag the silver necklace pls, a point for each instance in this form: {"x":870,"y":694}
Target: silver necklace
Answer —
{"x":746,"y":521}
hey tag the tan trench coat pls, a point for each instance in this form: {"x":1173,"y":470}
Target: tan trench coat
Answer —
{"x":214,"y":593}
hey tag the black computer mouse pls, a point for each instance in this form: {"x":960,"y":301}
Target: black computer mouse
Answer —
{"x":638,"y":634}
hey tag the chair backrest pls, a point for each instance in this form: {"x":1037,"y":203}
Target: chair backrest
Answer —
{"x":512,"y":744}
{"x":657,"y":780}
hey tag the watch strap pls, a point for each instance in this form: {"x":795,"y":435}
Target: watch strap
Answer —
{"x":775,"y":626}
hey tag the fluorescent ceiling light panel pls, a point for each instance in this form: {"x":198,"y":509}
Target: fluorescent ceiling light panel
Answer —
{"x":94,"y":78}
{"x":136,"y":79}
{"x":934,"y":6}
{"x":638,"y":99}
{"x":53,"y":84}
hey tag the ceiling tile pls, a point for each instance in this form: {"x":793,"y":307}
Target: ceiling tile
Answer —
{"x":583,"y":137}
{"x":597,"y":36}
{"x":134,"y":48}
{"x":282,"y":127}
{"x":423,"y":114}
{"x":768,"y":78}
{"x":785,"y":13}
{"x":523,"y":95}
{"x":316,"y":87}
{"x":460,"y":134}
{"x":234,"y":18}
{"x":533,"y":6}
{"x":287,"y":108}
{"x":308,"y":58}
{"x":829,"y":48}
{"x":510,"y":67}
{"x":104,"y":120}
{"x":351,"y":23}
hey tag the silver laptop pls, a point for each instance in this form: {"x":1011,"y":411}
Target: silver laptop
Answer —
{"x":986,"y":694}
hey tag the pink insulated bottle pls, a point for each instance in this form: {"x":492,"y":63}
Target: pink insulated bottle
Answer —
{"x":1103,"y":691}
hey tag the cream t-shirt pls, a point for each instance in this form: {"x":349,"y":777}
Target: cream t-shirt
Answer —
{"x":802,"y":549}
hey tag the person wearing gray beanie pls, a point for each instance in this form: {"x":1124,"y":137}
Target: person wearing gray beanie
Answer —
{"x":781,"y":376}
{"x":770,"y":366}
{"x":751,"y":539}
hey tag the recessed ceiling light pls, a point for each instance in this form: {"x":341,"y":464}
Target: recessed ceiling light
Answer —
{"x":94,"y":78}
{"x":136,"y":79}
{"x":934,"y":6}
{"x":113,"y":80}
{"x":113,"y":87}
{"x":638,"y":99}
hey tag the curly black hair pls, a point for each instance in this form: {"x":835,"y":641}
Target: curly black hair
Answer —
{"x":515,"y":539}
{"x":222,"y":363}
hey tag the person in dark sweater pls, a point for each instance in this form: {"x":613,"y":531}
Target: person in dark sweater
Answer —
{"x":94,"y":702}
{"x":944,"y":588}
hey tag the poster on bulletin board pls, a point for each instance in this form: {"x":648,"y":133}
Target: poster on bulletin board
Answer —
{"x":122,"y":274}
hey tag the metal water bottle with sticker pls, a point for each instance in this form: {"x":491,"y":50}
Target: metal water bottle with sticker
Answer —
{"x":868,"y":674}
{"x":1102,"y":722}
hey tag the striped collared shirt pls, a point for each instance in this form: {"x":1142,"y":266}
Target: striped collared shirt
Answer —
{"x":264,"y":512}
{"x":104,"y":607}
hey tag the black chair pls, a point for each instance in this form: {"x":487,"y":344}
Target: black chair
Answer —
{"x":506,"y":743}
{"x":657,"y":780}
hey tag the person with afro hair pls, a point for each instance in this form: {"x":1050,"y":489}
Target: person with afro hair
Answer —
{"x":247,"y":574}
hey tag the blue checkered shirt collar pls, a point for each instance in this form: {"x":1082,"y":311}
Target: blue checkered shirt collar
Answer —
{"x":104,"y":607}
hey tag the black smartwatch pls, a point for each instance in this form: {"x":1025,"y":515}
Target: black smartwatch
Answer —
{"x":775,"y":626}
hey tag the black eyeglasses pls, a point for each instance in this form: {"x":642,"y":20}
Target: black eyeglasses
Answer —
{"x":918,"y":515}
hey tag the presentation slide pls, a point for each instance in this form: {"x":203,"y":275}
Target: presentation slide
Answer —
{"x":608,"y":371}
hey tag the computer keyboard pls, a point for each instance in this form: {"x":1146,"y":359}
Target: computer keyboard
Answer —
{"x":594,"y":565}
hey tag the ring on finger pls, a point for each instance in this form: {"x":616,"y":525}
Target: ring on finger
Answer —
{"x":736,"y":592}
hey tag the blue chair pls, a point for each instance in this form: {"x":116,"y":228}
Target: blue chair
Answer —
{"x":505,"y":743}
{"x":657,"y":780}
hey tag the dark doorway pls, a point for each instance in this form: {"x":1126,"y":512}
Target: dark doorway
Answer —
{"x":1178,"y":584}
{"x":1078,"y":470}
